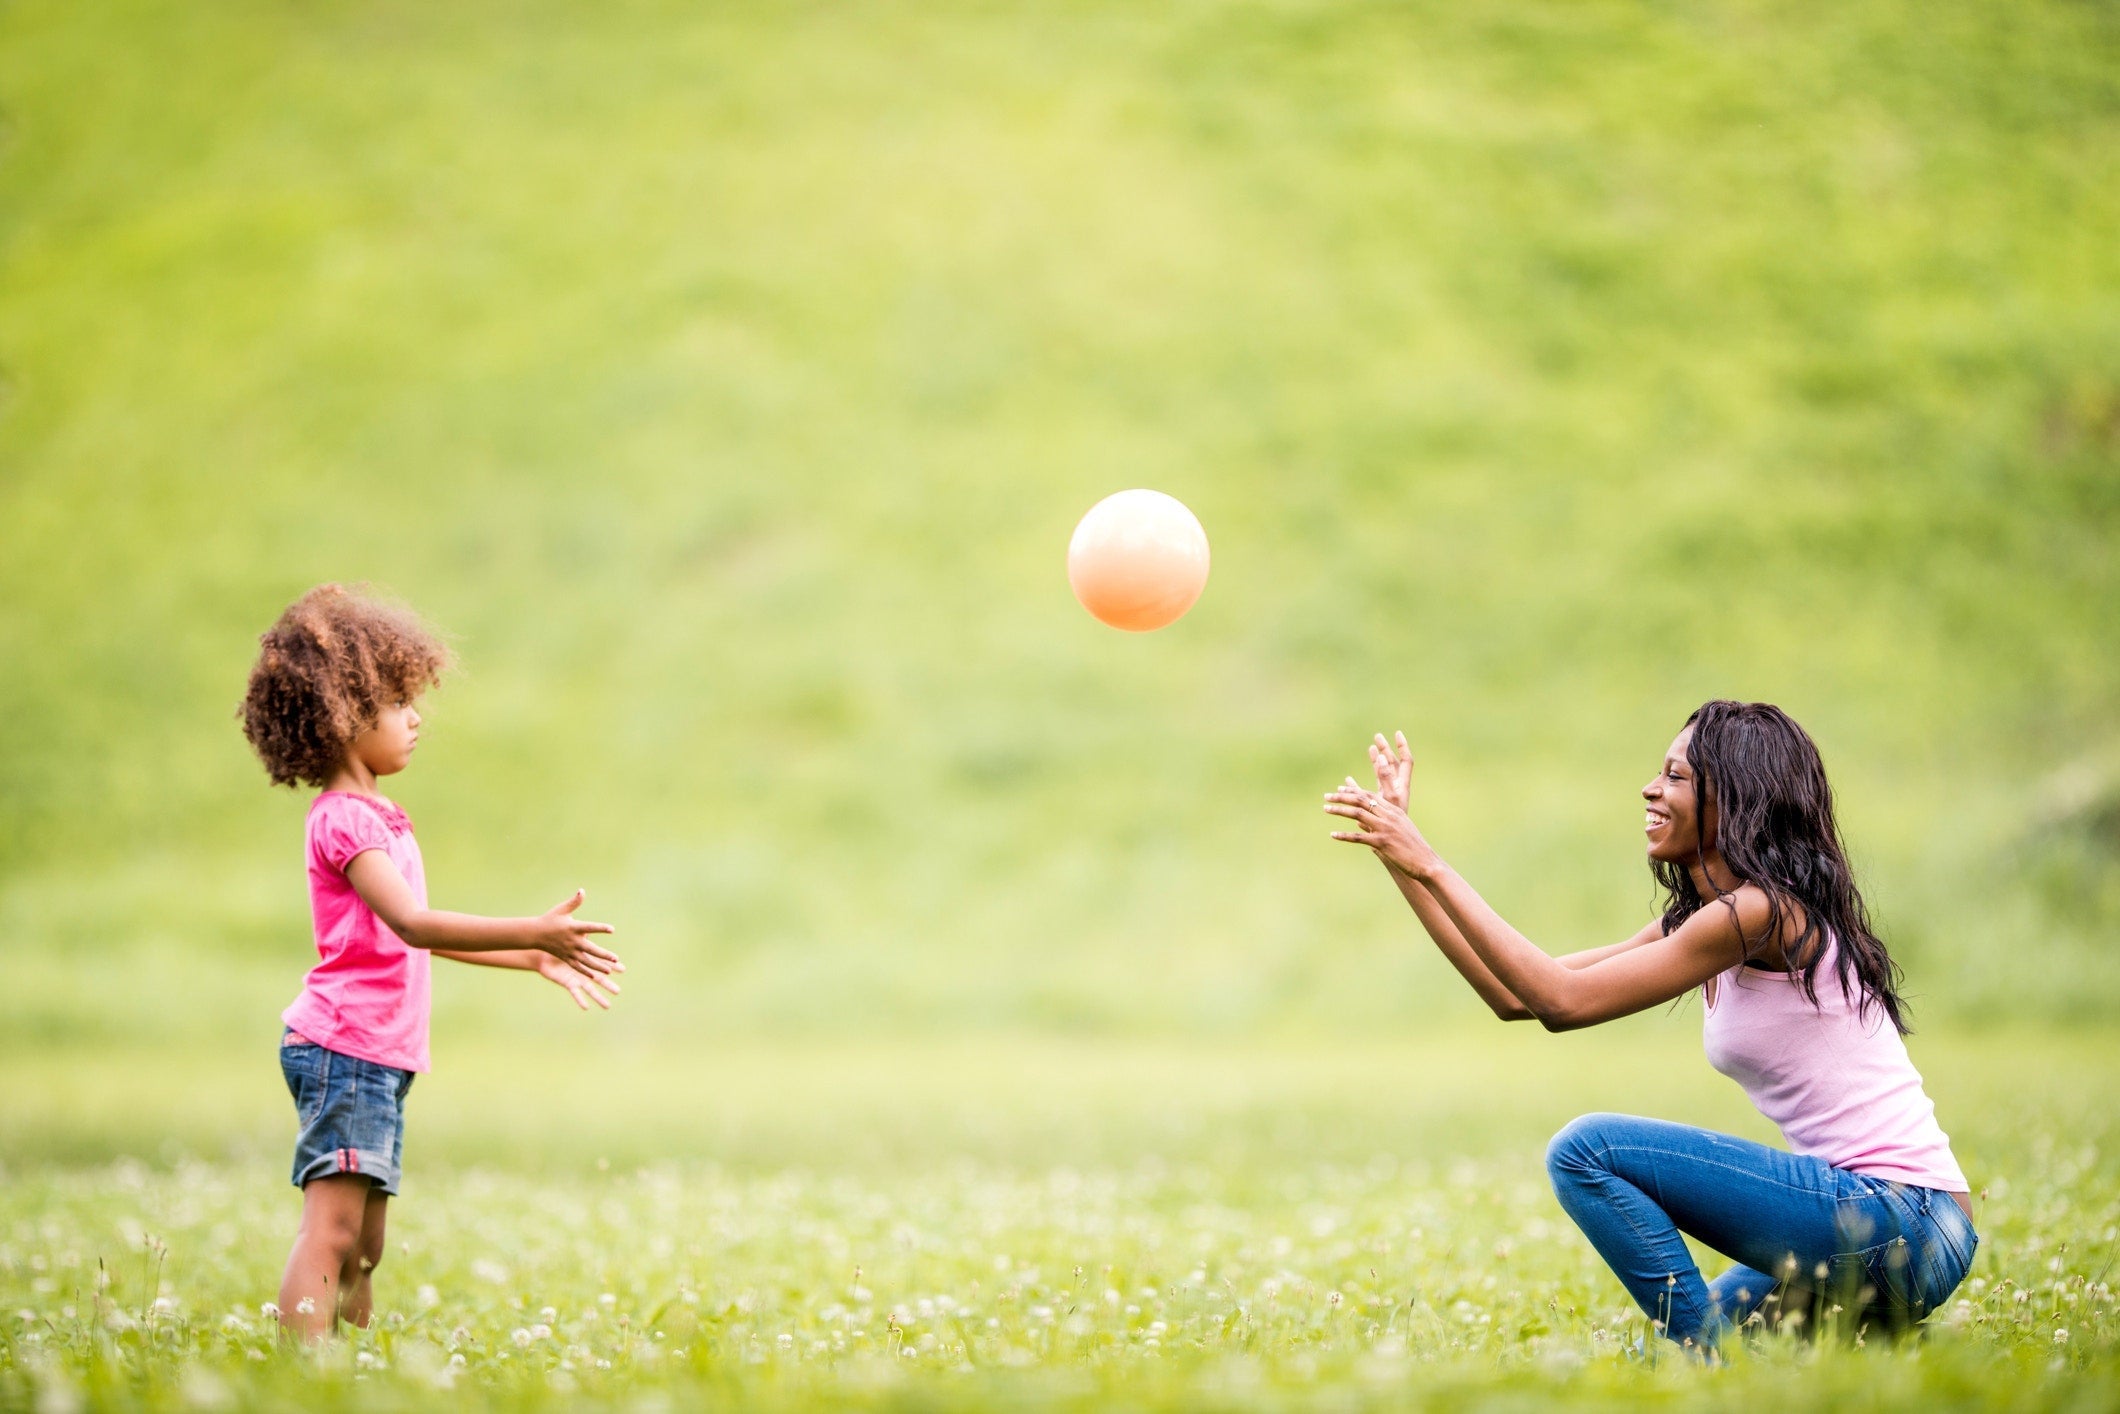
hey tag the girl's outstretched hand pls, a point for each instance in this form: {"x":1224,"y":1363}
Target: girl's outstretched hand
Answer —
{"x":566,"y":938}
{"x":1381,"y":814}
{"x":584,"y":989}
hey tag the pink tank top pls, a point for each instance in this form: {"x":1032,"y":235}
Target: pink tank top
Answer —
{"x":1838,"y":1083}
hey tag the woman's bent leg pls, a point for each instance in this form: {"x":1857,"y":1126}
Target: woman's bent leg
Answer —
{"x":1634,"y":1185}
{"x":1739,"y":1292}
{"x":1636,"y":1238}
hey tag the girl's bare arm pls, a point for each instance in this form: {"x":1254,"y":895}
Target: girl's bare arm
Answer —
{"x":556,"y":932}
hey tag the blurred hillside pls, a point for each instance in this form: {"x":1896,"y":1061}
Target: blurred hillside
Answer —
{"x":728,"y":379}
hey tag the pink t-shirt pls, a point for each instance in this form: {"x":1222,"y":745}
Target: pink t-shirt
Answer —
{"x":368,"y":995}
{"x":1838,"y":1083}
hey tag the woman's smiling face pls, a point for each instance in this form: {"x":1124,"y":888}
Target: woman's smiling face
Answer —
{"x":1672,"y":819}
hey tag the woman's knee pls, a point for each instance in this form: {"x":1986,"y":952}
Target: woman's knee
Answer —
{"x":1581,"y":1145}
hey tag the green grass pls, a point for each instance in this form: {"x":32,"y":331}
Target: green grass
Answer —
{"x":1037,"y":1225}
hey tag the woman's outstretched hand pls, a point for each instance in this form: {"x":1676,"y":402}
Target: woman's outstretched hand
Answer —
{"x":1381,"y":814}
{"x":1393,"y":763}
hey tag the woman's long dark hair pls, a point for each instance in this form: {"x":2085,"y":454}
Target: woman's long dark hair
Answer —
{"x":1775,"y":829}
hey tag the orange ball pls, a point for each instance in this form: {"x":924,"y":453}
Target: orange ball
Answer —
{"x":1138,"y":560}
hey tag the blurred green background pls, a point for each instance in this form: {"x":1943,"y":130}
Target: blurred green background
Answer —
{"x":726,"y":380}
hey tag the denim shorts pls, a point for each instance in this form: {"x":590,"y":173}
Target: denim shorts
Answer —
{"x":352,"y":1113}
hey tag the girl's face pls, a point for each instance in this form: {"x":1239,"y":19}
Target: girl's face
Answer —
{"x":386,"y":747}
{"x":1672,"y":821}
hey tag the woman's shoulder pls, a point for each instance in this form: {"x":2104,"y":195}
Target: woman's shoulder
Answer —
{"x":1736,"y":925}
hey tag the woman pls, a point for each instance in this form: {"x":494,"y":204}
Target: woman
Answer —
{"x":1803,"y":1011}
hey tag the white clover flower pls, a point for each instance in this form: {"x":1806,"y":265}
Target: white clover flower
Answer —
{"x":522,"y":1337}
{"x":307,"y":1306}
{"x":269,"y":1310}
{"x":2061,"y":1335}
{"x":201,"y":1389}
{"x":428,"y":1297}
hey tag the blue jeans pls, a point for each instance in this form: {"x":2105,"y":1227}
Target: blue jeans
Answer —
{"x":1802,"y":1232}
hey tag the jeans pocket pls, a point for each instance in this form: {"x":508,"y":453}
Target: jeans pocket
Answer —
{"x":1944,"y":1248}
{"x":307,"y":1069}
{"x":1915,"y":1273}
{"x":1895,"y":1288}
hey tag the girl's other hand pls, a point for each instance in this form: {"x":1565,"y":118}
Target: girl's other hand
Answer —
{"x":566,"y":938}
{"x":1393,"y":763}
{"x":584,"y":989}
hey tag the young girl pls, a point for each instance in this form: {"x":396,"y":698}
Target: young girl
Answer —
{"x":1803,"y":1010}
{"x":331,"y":703}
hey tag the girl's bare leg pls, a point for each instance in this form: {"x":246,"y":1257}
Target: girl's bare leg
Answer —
{"x":356,"y":1293}
{"x":334,"y":1212}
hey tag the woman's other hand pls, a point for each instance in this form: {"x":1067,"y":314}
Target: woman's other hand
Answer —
{"x":1393,"y":763}
{"x":1381,"y":814}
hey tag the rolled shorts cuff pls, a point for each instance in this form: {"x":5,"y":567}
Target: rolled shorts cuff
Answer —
{"x":365,"y":1163}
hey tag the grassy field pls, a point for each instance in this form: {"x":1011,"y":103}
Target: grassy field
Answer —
{"x":1037,"y":1225}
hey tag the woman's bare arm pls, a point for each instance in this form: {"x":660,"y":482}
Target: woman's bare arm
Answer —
{"x":1624,"y":982}
{"x":1393,"y":764}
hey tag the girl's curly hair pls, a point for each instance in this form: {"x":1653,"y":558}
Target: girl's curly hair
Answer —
{"x":332,"y":663}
